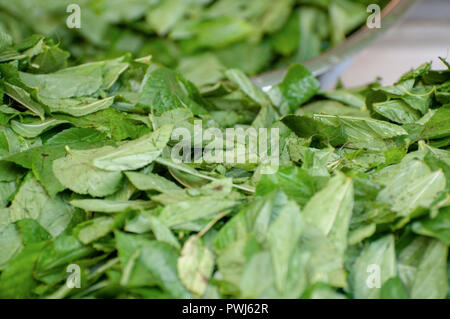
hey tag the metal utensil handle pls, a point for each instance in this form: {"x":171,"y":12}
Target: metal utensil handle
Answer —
{"x":390,"y":15}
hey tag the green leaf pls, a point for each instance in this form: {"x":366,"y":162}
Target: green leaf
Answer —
{"x":76,"y":106}
{"x":437,"y":227}
{"x":414,"y":186}
{"x":423,"y":268}
{"x":213,"y":33}
{"x":77,"y":172}
{"x":166,"y":90}
{"x":195,"y":266}
{"x":10,"y":239}
{"x":62,"y":251}
{"x":174,"y":215}
{"x":23,"y":98}
{"x":375,"y":265}
{"x":36,"y":128}
{"x":129,"y":249}
{"x":17,"y":280}
{"x":283,"y":237}
{"x":251,"y":284}
{"x":110,"y":206}
{"x":161,"y":260}
{"x":201,"y":69}
{"x":133,"y":154}
{"x":31,"y":232}
{"x":347,"y":97}
{"x":332,"y":217}
{"x":247,"y":86}
{"x":151,"y":182}
{"x":77,"y":81}
{"x":294,"y":182}
{"x":93,"y":229}
{"x":164,"y":16}
{"x":116,"y":125}
{"x":162,"y":232}
{"x":396,"y":111}
{"x":72,"y":82}
{"x":297,"y":87}
{"x":7,"y":189}
{"x":438,"y":125}
{"x":51,"y":59}
{"x":393,"y":289}
{"x":336,"y":130}
{"x":286,"y":41}
{"x":31,"y":201}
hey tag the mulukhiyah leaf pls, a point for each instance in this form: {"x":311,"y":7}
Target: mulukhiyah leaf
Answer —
{"x":397,"y":111}
{"x":161,"y":259}
{"x":166,"y":14}
{"x":359,"y":234}
{"x":110,"y":206}
{"x":151,"y":182}
{"x":184,"y":168}
{"x":17,"y":280}
{"x":36,"y":128}
{"x":166,"y":90}
{"x":195,"y":266}
{"x":337,"y":130}
{"x":93,"y":229}
{"x":10,"y":239}
{"x":23,"y":98}
{"x":437,"y":227}
{"x":129,"y":248}
{"x":77,"y":81}
{"x":134,"y":154}
{"x":414,"y":186}
{"x":43,"y":157}
{"x":7,"y":189}
{"x":116,"y":125}
{"x":315,"y":161}
{"x":374,"y":266}
{"x":62,"y":250}
{"x":434,"y":263}
{"x":393,"y":288}
{"x":162,"y":232}
{"x":294,"y":181}
{"x":349,"y":98}
{"x":93,"y":184}
{"x":246,"y":85}
{"x":76,"y":107}
{"x":438,"y":125}
{"x":422,"y":268}
{"x":251,"y":285}
{"x":201,"y":69}
{"x":332,"y":217}
{"x":174,"y":215}
{"x":298,"y":87}
{"x":283,"y":237}
{"x":262,"y":212}
{"x":77,"y":172}
{"x":31,"y":201}
{"x":9,"y":171}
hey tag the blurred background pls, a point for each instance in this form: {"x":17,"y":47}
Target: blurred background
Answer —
{"x":423,"y":35}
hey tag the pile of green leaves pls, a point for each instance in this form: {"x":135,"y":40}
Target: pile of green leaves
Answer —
{"x":86,"y":179}
{"x":195,"y":36}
